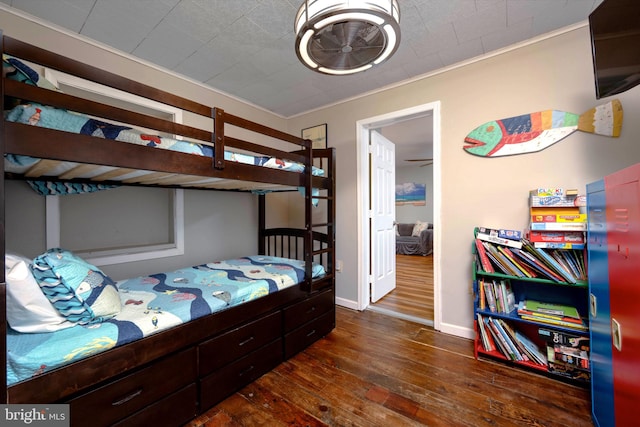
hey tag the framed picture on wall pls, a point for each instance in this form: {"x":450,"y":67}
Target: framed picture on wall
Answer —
{"x":411,"y":193}
{"x":317,"y":135}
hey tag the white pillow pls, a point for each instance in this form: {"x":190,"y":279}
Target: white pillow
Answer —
{"x":28,"y":310}
{"x":418,"y":228}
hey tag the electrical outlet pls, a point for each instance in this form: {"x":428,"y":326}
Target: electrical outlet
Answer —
{"x":339,"y":266}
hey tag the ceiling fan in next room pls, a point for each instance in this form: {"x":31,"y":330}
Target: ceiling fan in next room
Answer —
{"x":426,"y":162}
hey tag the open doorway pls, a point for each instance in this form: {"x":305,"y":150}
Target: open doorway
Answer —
{"x":391,"y":122}
{"x":412,"y":298}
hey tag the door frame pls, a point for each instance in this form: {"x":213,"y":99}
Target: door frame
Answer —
{"x":363,"y":182}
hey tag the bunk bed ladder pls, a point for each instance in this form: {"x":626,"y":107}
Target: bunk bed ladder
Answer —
{"x":308,"y":216}
{"x":314,"y":242}
{"x":321,"y":250}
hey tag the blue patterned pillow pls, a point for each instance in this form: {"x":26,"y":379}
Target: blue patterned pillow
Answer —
{"x":15,"y":69}
{"x":78,"y":290}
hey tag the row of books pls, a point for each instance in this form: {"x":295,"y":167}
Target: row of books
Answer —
{"x":568,"y":263}
{"x":560,"y":265}
{"x":553,"y":314}
{"x":562,"y":353}
{"x":496,"y":295}
{"x":498,"y":335}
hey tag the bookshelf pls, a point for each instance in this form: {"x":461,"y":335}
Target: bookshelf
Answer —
{"x":561,"y":351}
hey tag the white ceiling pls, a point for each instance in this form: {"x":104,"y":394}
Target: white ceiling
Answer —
{"x":245,"y":47}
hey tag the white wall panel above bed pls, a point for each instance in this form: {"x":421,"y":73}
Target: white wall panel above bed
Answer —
{"x":135,"y":224}
{"x":217,"y":225}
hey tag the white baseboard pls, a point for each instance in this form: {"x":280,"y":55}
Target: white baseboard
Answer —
{"x":347,"y":303}
{"x":457,"y":330}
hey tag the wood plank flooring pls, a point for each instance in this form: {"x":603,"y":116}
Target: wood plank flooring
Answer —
{"x":376,"y":370}
{"x":413,"y":296}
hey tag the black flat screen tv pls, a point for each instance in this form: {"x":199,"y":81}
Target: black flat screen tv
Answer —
{"x":615,"y":45}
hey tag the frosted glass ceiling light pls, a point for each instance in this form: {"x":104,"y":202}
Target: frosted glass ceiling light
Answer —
{"x":346,"y":36}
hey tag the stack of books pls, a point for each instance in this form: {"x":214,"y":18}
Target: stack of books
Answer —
{"x":565,"y":316}
{"x":497,"y":335}
{"x":557,"y":218}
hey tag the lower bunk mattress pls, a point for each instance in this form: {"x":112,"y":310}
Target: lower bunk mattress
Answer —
{"x":151,"y":304}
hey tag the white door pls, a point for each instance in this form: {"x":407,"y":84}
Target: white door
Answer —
{"x":383,"y":215}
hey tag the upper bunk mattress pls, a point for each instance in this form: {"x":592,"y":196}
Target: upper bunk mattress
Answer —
{"x":59,"y":119}
{"x":151,"y":304}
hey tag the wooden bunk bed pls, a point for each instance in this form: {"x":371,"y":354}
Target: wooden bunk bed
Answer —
{"x":138,"y":383}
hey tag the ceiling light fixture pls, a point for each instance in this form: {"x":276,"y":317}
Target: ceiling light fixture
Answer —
{"x":341,"y":37}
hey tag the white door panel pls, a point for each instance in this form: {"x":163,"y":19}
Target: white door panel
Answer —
{"x":383,"y":213}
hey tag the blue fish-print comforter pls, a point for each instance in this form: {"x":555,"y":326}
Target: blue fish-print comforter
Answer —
{"x":152,"y":304}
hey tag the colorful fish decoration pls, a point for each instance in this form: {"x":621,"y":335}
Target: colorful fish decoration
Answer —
{"x":536,"y":131}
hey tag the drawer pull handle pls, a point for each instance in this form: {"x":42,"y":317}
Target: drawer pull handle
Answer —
{"x":311,"y":333}
{"x":311,"y":310}
{"x":246,"y":371}
{"x":127,"y":398}
{"x":246,"y":341}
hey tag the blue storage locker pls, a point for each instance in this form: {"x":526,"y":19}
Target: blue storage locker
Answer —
{"x":602,"y":390}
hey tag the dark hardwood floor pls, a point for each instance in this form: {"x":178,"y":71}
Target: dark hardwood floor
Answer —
{"x":413,"y":296}
{"x":377,"y":370}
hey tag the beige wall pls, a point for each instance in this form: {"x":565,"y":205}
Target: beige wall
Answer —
{"x":554,"y":73}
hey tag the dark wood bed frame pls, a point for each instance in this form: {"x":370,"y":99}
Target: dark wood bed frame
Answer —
{"x":171,"y":377}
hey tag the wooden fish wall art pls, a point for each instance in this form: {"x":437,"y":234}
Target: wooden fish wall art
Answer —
{"x":536,"y":131}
